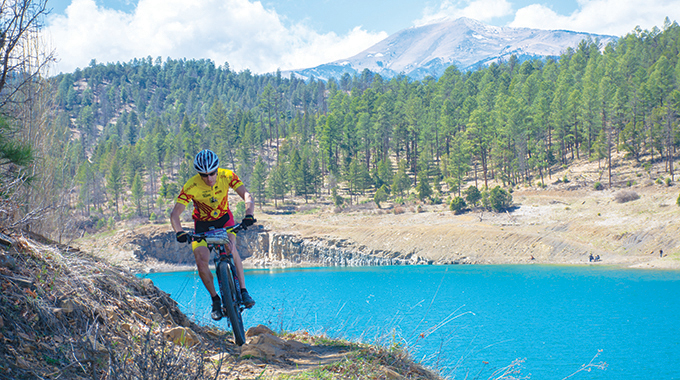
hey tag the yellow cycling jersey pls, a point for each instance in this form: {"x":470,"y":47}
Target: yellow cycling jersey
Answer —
{"x":210,"y":203}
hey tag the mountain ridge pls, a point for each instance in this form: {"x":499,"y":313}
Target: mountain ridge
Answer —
{"x":427,"y":50}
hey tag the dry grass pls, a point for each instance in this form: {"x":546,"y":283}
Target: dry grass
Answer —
{"x":65,"y":314}
{"x":370,"y":362}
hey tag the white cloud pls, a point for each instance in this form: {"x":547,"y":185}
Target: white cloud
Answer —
{"x":614,"y":17}
{"x":482,"y":10}
{"x":240,"y":32}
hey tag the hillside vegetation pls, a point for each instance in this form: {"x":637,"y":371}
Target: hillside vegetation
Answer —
{"x":121,"y":136}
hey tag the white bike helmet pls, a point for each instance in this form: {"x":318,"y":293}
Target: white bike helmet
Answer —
{"x":206,"y":161}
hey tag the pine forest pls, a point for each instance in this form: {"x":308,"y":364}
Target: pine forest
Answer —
{"x":116,"y":141}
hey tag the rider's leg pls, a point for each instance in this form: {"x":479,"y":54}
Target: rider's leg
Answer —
{"x":237,"y":261}
{"x":202,"y":255}
{"x":248,"y":301}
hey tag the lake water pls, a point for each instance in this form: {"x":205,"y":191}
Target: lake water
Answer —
{"x":459,"y":318}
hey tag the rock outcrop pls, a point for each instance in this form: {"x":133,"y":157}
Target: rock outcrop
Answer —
{"x":287,"y":250}
{"x":262,"y":248}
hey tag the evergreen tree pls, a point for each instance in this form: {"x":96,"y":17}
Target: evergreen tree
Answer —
{"x":457,"y":205}
{"x":383,"y":173}
{"x":473,"y":195}
{"x":296,"y":174}
{"x":277,"y":183}
{"x":364,"y":181}
{"x":380,"y":196}
{"x":458,"y":163}
{"x":84,"y":180}
{"x":423,"y":188}
{"x":169,"y":190}
{"x":401,"y":182}
{"x":138,"y":193}
{"x":259,"y":180}
{"x":315,"y":175}
{"x":499,"y":199}
{"x":114,"y":182}
{"x":12,"y":152}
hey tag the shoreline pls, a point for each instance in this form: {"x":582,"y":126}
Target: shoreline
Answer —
{"x":667,"y":265}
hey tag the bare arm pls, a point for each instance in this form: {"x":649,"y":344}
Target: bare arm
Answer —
{"x":248,"y":198}
{"x":174,"y":217}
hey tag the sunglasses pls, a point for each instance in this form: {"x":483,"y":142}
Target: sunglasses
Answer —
{"x":204,"y":175}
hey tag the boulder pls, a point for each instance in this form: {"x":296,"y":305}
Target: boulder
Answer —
{"x":182,"y":336}
{"x":264,"y":346}
{"x":258,"y":330}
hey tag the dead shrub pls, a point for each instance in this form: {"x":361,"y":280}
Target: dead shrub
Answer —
{"x":398,"y":210}
{"x":626,"y":196}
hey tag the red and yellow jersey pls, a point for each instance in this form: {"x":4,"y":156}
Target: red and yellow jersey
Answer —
{"x":210,"y":203}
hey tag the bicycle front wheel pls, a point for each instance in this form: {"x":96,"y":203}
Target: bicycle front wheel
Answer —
{"x":229,"y":301}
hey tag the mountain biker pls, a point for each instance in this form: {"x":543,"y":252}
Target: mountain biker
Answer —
{"x":209,"y":191}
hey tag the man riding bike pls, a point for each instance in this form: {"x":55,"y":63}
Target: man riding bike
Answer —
{"x":209,"y":191}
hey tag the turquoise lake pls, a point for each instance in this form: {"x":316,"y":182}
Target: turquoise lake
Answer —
{"x":555,"y":318}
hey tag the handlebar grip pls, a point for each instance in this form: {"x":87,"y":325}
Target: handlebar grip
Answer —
{"x":193,"y":238}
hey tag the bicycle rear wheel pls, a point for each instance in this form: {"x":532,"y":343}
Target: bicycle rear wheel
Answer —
{"x":229,"y":297}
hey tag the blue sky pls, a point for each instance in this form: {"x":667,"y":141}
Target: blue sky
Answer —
{"x":288,"y":34}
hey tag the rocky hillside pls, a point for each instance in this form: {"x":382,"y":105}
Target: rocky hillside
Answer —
{"x":66,"y":314}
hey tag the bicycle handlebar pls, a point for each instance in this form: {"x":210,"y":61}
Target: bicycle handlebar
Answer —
{"x":216,"y":236}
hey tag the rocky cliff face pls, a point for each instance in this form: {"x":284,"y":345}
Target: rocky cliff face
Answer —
{"x":262,"y":248}
{"x":287,"y":250}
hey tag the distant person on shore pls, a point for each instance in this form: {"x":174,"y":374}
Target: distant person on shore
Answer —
{"x":209,"y":190}
{"x":591,"y":258}
{"x":661,"y":253}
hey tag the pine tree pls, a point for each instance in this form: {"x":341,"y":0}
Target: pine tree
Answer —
{"x":401,"y":182}
{"x":138,"y":193}
{"x":114,"y":183}
{"x":383,"y":174}
{"x":423,"y":187}
{"x":259,"y":180}
{"x":296,"y":174}
{"x":277,"y":183}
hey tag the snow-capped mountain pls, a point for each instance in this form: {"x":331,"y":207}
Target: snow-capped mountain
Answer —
{"x":429,"y":49}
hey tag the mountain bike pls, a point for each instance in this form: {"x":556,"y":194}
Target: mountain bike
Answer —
{"x":230,"y":288}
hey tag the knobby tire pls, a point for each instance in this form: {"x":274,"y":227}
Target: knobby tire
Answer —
{"x":227,"y":290}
